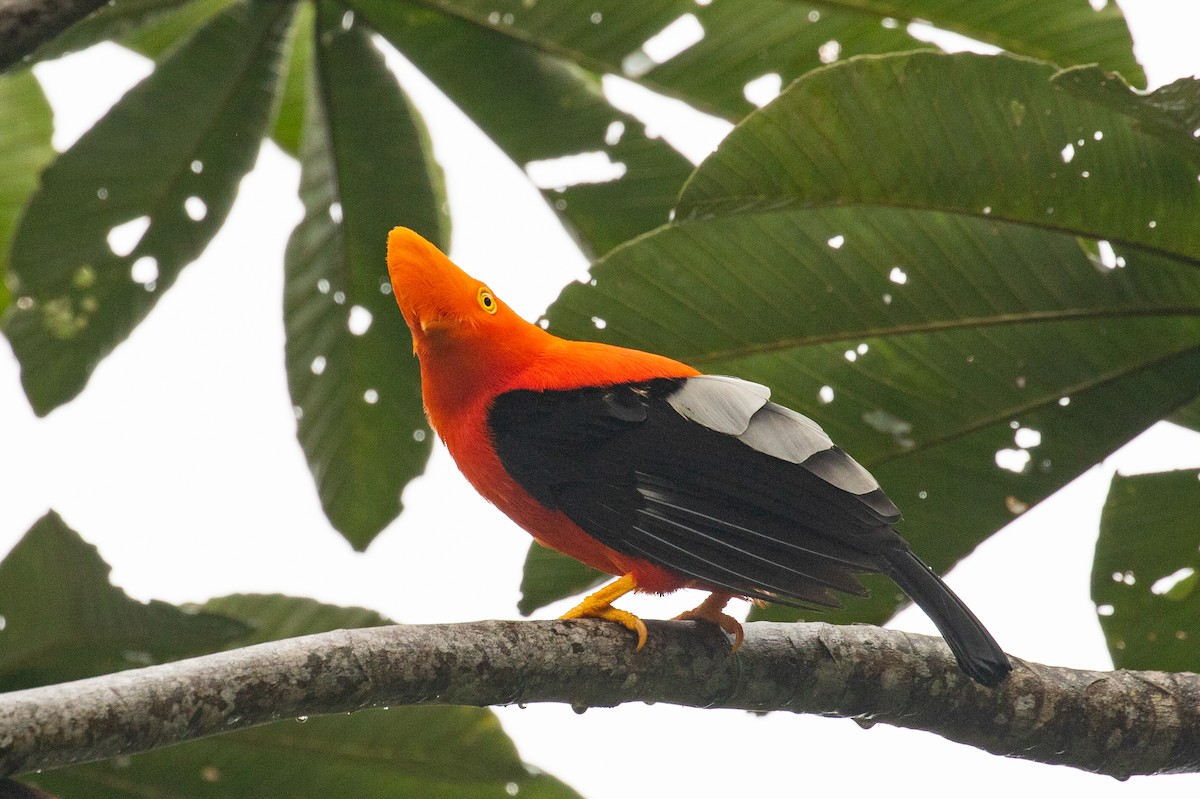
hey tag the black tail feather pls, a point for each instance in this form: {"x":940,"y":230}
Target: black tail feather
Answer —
{"x":977,"y":652}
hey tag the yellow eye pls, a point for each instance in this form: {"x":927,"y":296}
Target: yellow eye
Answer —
{"x":486,"y":300}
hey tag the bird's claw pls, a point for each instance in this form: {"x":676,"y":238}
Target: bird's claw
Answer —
{"x":712,"y":610}
{"x":599,"y":606}
{"x":622,"y":617}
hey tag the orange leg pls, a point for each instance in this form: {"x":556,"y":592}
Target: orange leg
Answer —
{"x":712,"y":610}
{"x":599,"y":606}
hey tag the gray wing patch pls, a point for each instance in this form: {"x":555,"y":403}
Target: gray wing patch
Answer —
{"x":742,"y":409}
{"x":785,"y":434}
{"x":834,"y":466}
{"x":720,"y":403}
{"x":792,"y":436}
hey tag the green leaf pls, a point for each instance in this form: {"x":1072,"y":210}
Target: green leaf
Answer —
{"x":1169,"y":113}
{"x":430,"y":752}
{"x":1188,"y":417}
{"x":741,"y":42}
{"x":993,"y":137}
{"x":357,"y":393}
{"x":273,"y":617}
{"x":993,"y":325}
{"x":151,"y":27}
{"x":550,"y":576}
{"x":63,"y":619}
{"x":158,"y":33}
{"x":1144,"y":576}
{"x":1067,"y":32}
{"x":289,"y":121}
{"x":112,"y":20}
{"x":924,"y":333}
{"x":406,"y":751}
{"x":745,"y":41}
{"x":11,"y":789}
{"x":24,"y":150}
{"x":540,"y":109}
{"x":148,"y":27}
{"x":170,"y":153}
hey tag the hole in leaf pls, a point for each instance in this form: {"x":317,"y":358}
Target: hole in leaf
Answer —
{"x":672,"y":40}
{"x":1176,"y":585}
{"x":359,"y":321}
{"x":123,"y":239}
{"x":144,"y":270}
{"x":573,"y":170}
{"x":1026,"y":438}
{"x":614,"y":132}
{"x":660,"y":48}
{"x":195,"y":208}
{"x":763,"y":89}
{"x":1013,"y":460}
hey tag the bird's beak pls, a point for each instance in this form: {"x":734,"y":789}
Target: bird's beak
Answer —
{"x":426,"y":284}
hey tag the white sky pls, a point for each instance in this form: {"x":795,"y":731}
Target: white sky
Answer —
{"x":179,"y":462}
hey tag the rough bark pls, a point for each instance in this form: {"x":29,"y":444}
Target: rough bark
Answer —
{"x":27,"y":24}
{"x":1118,"y":723}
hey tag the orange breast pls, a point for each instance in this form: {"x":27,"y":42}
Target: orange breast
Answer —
{"x":468,"y":437}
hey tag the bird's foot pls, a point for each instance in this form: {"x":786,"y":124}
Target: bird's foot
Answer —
{"x":599,"y":606}
{"x":623,"y":617}
{"x":712,"y":610}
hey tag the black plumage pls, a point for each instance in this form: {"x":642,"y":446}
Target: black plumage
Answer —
{"x":708,"y":478}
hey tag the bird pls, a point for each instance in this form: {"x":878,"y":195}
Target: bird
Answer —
{"x":644,"y":468}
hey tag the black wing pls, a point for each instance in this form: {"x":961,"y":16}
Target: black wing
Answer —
{"x":706,"y":477}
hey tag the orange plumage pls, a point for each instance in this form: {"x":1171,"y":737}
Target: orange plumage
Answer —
{"x":470,"y":354}
{"x":642,"y":467}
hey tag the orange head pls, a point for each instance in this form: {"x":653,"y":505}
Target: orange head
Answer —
{"x":463,"y":334}
{"x":438,"y":299}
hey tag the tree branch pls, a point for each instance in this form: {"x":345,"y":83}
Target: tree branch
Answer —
{"x":1117,"y":723}
{"x":27,"y":24}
